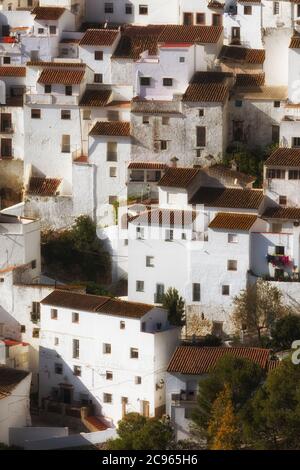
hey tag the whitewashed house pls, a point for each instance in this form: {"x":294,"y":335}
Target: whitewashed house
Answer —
{"x":104,"y":351}
{"x":14,"y":401}
{"x":243,"y":23}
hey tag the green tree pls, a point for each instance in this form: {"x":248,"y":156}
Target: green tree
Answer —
{"x":83,"y":234}
{"x":272,"y":417}
{"x":285,"y":331}
{"x":223,"y":428}
{"x":135,"y":432}
{"x":257,"y":308}
{"x":174,"y":303}
{"x":241,"y":375}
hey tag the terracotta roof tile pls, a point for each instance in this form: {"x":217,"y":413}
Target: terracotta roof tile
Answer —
{"x":43,"y":186}
{"x":8,"y":71}
{"x":195,"y":360}
{"x":9,"y":379}
{"x":69,"y":41}
{"x":284,"y":213}
{"x":64,"y":77}
{"x":250,"y":79}
{"x":113,"y":128}
{"x":165,"y":217}
{"x":178,"y":177}
{"x":222,"y":172}
{"x":215,"y":5}
{"x":272,"y":93}
{"x":54,"y":65}
{"x":47,"y":13}
{"x":284,"y":157}
{"x":295,"y":42}
{"x":190,"y":34}
{"x":96,"y":303}
{"x":206,"y":92}
{"x":228,"y":197}
{"x":147,"y":166}
{"x":242,"y":54}
{"x":95,"y":98}
{"x":99,"y":37}
{"x":233,"y":221}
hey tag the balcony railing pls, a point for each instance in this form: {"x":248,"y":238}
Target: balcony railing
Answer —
{"x":35,"y":317}
{"x":184,"y":397}
{"x":35,"y":98}
{"x":65,"y":99}
{"x":6,"y":129}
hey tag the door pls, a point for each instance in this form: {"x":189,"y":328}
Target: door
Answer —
{"x":5,"y":122}
{"x":235,"y":35}
{"x":6,"y":148}
{"x":145,"y":408}
{"x":124,"y":405}
{"x":66,"y":394}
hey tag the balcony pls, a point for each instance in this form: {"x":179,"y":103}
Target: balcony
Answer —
{"x":65,"y":100}
{"x":184,"y":398}
{"x":6,"y":129}
{"x":39,"y":98}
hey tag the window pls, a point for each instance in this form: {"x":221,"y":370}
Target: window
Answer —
{"x":217,"y":328}
{"x":113,"y":115}
{"x":107,"y":397}
{"x":247,"y":10}
{"x":112,"y":171}
{"x":58,"y":368}
{"x":65,"y":114}
{"x":235,"y":35}
{"x":6,"y":60}
{"x":111,"y":154}
{"x":294,"y":174}
{"x":216,"y":19}
{"x":276,"y":174}
{"x":159,"y":294}
{"x":169,"y":235}
{"x":48,"y":88}
{"x":98,"y":55}
{"x":143,"y":9}
{"x":188,"y":19}
{"x":183,"y":236}
{"x":143,"y":326}
{"x":200,"y":136}
{"x":181,"y":60}
{"x":225,"y":290}
{"x":167,"y":81}
{"x":109,"y":375}
{"x":56,"y":341}
{"x":112,"y":199}
{"x":52,"y":29}
{"x":145,"y":81}
{"x":86,"y":114}
{"x":140,"y":232}
{"x":163,"y":145}
{"x":106,"y":348}
{"x":98,"y":78}
{"x":238,"y":103}
{"x":36,"y":307}
{"x":128,"y":9}
{"x":200,"y":18}
{"x":275,"y":8}
{"x":296,"y":142}
{"x":6,"y":148}
{"x":122,"y":325}
{"x":33,"y":264}
{"x":77,"y":371}
{"x":150,"y":261}
{"x":283,"y":200}
{"x":36,"y":333}
{"x":140,"y":286}
{"x":146,"y":120}
{"x":35,"y":114}
{"x":201,"y":112}
{"x":75,"y":348}
{"x":65,"y":143}
{"x":279,"y":274}
{"x":238,"y":130}
{"x":165,"y":120}
{"x":75,"y":317}
{"x":23,"y":329}
{"x":279,"y":250}
{"x":40,"y":30}
{"x":54,"y":314}
{"x":275,"y":134}
{"x":134,"y":353}
{"x":233,"y":238}
{"x":137,"y":380}
{"x":108,"y":7}
{"x":276,"y":104}
{"x":196,"y":292}
{"x":68,"y":90}
{"x":231,"y":265}
{"x":276,"y":228}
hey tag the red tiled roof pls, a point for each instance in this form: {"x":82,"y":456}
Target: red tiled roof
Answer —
{"x":113,"y":128}
{"x":165,"y":217}
{"x":11,"y":71}
{"x":47,"y":13}
{"x":96,"y":423}
{"x":99,"y":37}
{"x":193,"y":360}
{"x":9,"y":379}
{"x":96,"y":303}
{"x":250,"y":79}
{"x":206,"y":92}
{"x":54,"y":65}
{"x":147,"y":166}
{"x":69,"y":41}
{"x":242,"y":54}
{"x":284,"y":213}
{"x":178,"y":177}
{"x":63,"y":77}
{"x":295,"y":42}
{"x":228,"y":197}
{"x":233,"y":221}
{"x":43,"y":186}
{"x":284,"y":157}
{"x":190,"y":34}
{"x":215,"y":5}
{"x":220,"y":171}
{"x":95,"y":98}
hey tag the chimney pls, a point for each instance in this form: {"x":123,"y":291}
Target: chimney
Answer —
{"x":174,"y":161}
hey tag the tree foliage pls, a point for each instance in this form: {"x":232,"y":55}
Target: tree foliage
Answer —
{"x":136,"y":432}
{"x":223,"y":428}
{"x":174,"y":303}
{"x":257,"y":308}
{"x":285,"y":331}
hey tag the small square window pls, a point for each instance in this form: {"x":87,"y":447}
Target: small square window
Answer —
{"x":167,"y":81}
{"x":238,"y":103}
{"x":247,"y":10}
{"x":143,"y":9}
{"x":6,"y":59}
{"x":107,"y":397}
{"x":33,"y":264}
{"x":200,"y":18}
{"x":36,"y":333}
{"x":109,"y":375}
{"x":112,"y":199}
{"x":145,"y":81}
{"x":169,"y":235}
{"x":231,"y":265}
{"x":56,"y":341}
{"x":150,"y":261}
{"x":106,"y":348}
{"x":48,"y":88}
{"x":35,"y":114}
{"x":140,"y":233}
{"x":181,"y":60}
{"x":225,"y":290}
{"x":75,"y":317}
{"x":98,"y":55}
{"x":183,"y":236}
{"x":86,"y":114}
{"x":58,"y":368}
{"x":232,"y":238}
{"x":68,"y":90}
{"x":40,"y":30}
{"x":75,"y":348}
{"x":122,"y":325}
{"x":65,"y":114}
{"x":23,"y":329}
{"x":196,"y":292}
{"x":52,"y":29}
{"x":163,"y":145}
{"x":98,"y":78}
{"x":77,"y":371}
{"x":137,"y":380}
{"x":165,"y":120}
{"x":279,"y":250}
{"x":113,"y":172}
{"x":140,"y":286}
{"x":283,"y":200}
{"x":108,"y":7}
{"x":276,"y":104}
{"x":54,"y":314}
{"x":146,"y":120}
{"x":128,"y":9}
{"x":134,"y":353}
{"x":201,"y":112}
